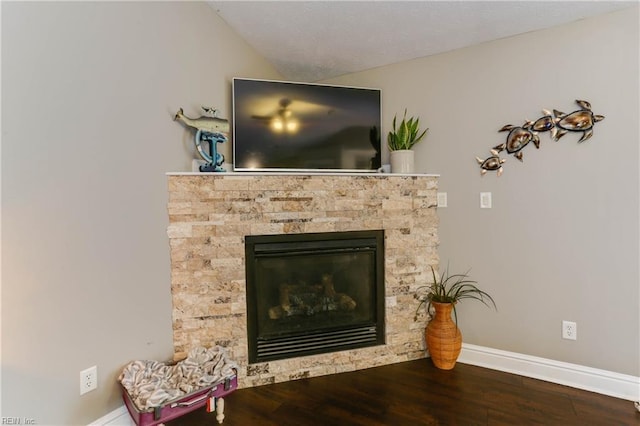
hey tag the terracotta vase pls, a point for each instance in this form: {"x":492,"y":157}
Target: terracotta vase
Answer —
{"x":444,"y":340}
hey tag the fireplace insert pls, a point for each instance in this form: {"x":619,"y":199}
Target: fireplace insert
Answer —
{"x":314,"y":293}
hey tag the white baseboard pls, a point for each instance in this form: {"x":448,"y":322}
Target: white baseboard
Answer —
{"x":118,"y":417}
{"x":576,"y":376}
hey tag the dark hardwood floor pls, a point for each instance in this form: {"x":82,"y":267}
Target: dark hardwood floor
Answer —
{"x":417,"y":393}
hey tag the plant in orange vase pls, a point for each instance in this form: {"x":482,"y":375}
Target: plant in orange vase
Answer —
{"x":444,"y":340}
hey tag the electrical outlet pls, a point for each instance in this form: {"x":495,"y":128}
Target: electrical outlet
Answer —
{"x":88,"y":380}
{"x":569,"y":330}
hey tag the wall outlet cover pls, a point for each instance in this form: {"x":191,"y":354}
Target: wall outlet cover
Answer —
{"x":442,"y":199}
{"x":88,"y":380}
{"x":485,"y":200}
{"x":569,"y":330}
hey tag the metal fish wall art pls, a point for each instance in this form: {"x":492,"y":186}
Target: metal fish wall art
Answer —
{"x":557,"y":123}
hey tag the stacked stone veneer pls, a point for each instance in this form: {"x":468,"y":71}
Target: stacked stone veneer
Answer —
{"x":209,"y":215}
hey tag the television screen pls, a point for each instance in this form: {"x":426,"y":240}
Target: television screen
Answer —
{"x":286,"y":126}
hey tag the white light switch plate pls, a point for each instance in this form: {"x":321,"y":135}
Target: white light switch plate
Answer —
{"x":442,"y":199}
{"x":485,"y":200}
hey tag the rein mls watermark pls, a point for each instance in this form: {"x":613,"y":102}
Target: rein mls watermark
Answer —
{"x":17,"y":421}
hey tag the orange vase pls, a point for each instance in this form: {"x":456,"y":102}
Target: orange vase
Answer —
{"x":444,"y":340}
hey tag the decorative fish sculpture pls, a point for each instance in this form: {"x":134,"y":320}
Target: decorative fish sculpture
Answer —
{"x":210,"y":131}
{"x":581,"y":120}
{"x":206,"y":124}
{"x":492,"y":163}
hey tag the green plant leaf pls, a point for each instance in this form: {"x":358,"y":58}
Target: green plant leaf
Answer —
{"x":406,"y":134}
{"x":403,"y":134}
{"x":451,"y":288}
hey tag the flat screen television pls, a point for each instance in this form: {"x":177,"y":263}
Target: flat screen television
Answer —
{"x":288,"y":126}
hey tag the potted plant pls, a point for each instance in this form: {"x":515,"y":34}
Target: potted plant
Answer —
{"x":444,"y":340}
{"x":400,"y":141}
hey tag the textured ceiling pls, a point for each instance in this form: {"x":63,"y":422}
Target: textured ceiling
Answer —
{"x":316,"y":40}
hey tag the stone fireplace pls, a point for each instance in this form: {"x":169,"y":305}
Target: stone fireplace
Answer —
{"x":211,"y":216}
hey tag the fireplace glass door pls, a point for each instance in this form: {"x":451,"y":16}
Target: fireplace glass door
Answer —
{"x":314,"y":293}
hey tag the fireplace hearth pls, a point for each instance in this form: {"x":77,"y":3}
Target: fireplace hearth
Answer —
{"x":314,"y":293}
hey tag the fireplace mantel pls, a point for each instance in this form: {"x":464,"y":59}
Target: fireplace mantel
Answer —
{"x":297,"y":174}
{"x":211,"y":213}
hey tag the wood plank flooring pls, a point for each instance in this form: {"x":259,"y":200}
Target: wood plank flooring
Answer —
{"x":417,"y":393}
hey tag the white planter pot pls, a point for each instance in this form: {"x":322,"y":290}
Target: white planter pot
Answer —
{"x":402,"y":161}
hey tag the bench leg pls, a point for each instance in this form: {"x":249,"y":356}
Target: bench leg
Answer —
{"x":220,"y":410}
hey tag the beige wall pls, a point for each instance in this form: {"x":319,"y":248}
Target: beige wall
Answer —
{"x":88,"y":95}
{"x":561,"y":242}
